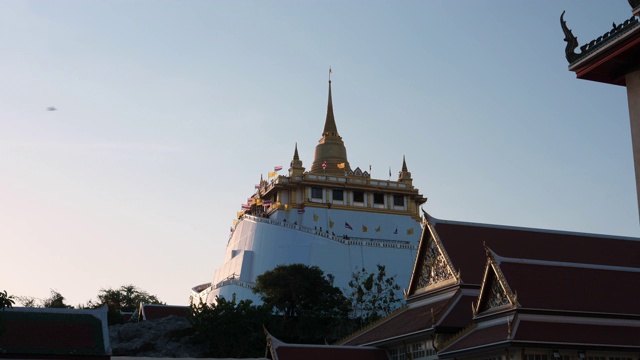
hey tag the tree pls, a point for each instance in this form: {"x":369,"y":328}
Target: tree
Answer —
{"x":56,"y":300}
{"x":27,"y":301}
{"x":127,"y":298}
{"x":6,"y":300}
{"x":311,"y":309}
{"x":230,"y":329}
{"x":372,"y":296}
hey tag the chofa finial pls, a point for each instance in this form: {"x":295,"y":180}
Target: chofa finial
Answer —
{"x":572,"y":41}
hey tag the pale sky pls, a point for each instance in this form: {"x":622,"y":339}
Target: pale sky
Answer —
{"x":168,"y":112}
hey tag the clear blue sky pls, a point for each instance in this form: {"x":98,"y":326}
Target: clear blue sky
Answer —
{"x":169,"y":112}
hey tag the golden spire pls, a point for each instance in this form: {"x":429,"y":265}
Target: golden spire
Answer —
{"x":330,"y":151}
{"x":296,"y":168}
{"x":405,"y":175}
{"x":330,"y":127}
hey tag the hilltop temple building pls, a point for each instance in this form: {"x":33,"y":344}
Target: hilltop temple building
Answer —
{"x":332,"y":216}
{"x":493,"y":292}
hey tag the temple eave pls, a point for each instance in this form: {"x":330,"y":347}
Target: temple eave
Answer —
{"x":609,"y":63}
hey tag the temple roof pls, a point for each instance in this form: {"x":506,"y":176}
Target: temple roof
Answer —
{"x":464,"y":243}
{"x":54,"y":333}
{"x":282,"y":351}
{"x":607,"y":58}
{"x":157,"y":311}
{"x":450,"y":312}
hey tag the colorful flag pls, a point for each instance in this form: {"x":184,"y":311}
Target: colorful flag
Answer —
{"x":300,"y":211}
{"x":266,"y":203}
{"x":396,"y":231}
{"x":315,"y":217}
{"x":249,"y":201}
{"x":331,"y":224}
{"x":277,"y":168}
{"x":410,"y":231}
{"x":364,"y":228}
{"x":346,"y":225}
{"x":246,"y":206}
{"x":341,"y":166}
{"x":257,"y":186}
{"x":274,"y":173}
{"x":378,"y":229}
{"x":324,"y":165}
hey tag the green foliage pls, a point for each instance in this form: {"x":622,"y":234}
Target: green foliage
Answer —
{"x":230,"y":329}
{"x":6,"y":300}
{"x":127,"y":298}
{"x":56,"y":300}
{"x":308,"y":308}
{"x":372,"y":296}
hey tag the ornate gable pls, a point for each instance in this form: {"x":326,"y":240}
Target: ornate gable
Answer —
{"x":433,"y":266}
{"x":495,"y":291}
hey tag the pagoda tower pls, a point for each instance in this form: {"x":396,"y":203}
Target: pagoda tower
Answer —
{"x":330,"y":155}
{"x":613,"y":58}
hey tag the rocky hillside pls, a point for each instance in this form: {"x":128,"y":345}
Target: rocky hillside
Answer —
{"x":170,"y":337}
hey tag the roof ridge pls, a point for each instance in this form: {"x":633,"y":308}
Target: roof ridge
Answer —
{"x":568,"y":264}
{"x":538,"y":230}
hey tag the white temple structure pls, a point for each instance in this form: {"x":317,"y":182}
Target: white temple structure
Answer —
{"x":332,"y":216}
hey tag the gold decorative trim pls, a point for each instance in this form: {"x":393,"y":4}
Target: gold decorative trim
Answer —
{"x":493,"y":278}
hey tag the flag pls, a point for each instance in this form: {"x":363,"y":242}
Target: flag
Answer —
{"x":341,"y":166}
{"x":396,"y":231}
{"x":324,"y":165}
{"x":277,"y":168}
{"x":330,"y":224}
{"x":315,"y":217}
{"x":273,"y":173}
{"x":410,"y":231}
{"x":249,"y":201}
{"x":378,"y":229}
{"x":300,"y":211}
{"x":364,"y":228}
{"x":347,"y":226}
{"x":266,"y":203}
{"x":257,"y":186}
{"x":246,"y":206}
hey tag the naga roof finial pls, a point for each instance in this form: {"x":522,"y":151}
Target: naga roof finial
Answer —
{"x":572,"y":41}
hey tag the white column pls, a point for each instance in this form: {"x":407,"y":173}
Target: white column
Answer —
{"x":633,"y":97}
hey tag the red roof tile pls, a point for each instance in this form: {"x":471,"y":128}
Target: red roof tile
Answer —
{"x":324,"y":352}
{"x":460,"y":314}
{"x":573,"y":288}
{"x":480,"y":336}
{"x":464,"y":245}
{"x":154,"y":312}
{"x":406,"y":321}
{"x":54,"y":333}
{"x":581,"y":334}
